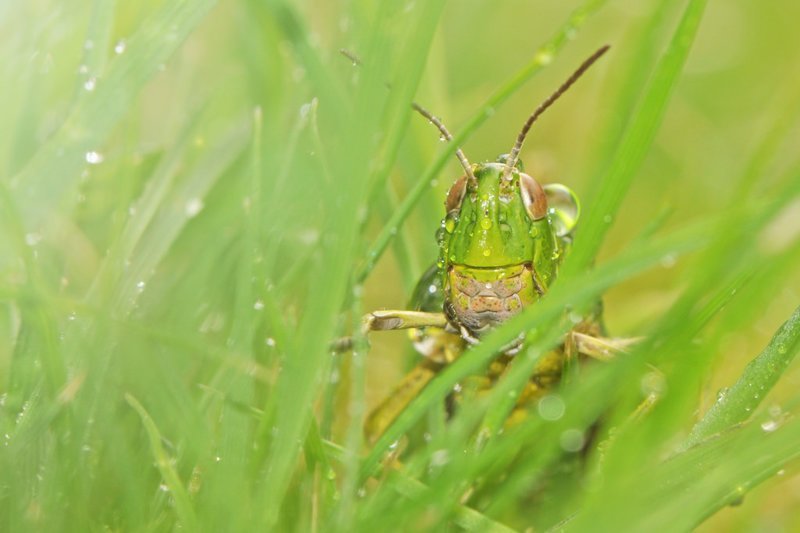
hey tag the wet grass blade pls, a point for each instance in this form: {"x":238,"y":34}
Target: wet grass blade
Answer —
{"x":739,"y":402}
{"x":635,"y":142}
{"x":164,"y":462}
{"x":93,"y":119}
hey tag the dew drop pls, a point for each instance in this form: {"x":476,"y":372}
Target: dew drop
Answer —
{"x":769,"y":426}
{"x":544,"y":57}
{"x":782,"y":349}
{"x":94,"y":158}
{"x":119,"y":48}
{"x":551,"y":407}
{"x":32,"y":239}
{"x":572,"y":440}
{"x":486,"y":223}
{"x":487,"y":252}
{"x":140,"y":286}
{"x":269,"y":341}
{"x":90,"y":84}
{"x":193,"y":207}
{"x":668,"y":261}
{"x":432,"y":289}
{"x":440,"y":458}
{"x":259,"y":305}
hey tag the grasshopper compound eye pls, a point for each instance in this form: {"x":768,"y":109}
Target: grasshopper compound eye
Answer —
{"x":533,"y":197}
{"x":456,"y":195}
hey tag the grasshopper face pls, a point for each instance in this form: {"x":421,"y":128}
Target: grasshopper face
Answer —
{"x":501,"y":245}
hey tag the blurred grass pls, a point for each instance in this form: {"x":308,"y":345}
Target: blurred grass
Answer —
{"x":191,"y":195}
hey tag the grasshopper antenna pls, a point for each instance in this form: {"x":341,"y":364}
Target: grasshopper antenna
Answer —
{"x":473,"y":181}
{"x":514,"y":156}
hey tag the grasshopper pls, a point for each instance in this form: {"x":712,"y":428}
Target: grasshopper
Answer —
{"x":501,"y":242}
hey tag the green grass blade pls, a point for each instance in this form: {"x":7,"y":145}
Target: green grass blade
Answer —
{"x":183,"y":504}
{"x":635,"y":142}
{"x":90,"y":123}
{"x":737,"y":403}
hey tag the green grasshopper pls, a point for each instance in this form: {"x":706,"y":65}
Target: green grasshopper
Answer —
{"x":501,"y":243}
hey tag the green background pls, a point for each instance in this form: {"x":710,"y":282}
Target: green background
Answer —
{"x":194,"y":199}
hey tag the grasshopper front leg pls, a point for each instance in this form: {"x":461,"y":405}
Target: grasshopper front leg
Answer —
{"x":389,"y":320}
{"x":442,"y":346}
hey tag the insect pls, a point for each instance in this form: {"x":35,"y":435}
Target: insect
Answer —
{"x":501,"y":242}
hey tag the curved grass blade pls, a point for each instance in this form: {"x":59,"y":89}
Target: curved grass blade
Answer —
{"x":635,"y":142}
{"x":758,"y":378}
{"x":183,"y":504}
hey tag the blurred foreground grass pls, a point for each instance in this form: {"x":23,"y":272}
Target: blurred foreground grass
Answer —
{"x":191,"y":194}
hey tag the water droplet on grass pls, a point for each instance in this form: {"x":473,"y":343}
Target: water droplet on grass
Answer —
{"x":551,"y":407}
{"x":769,"y":426}
{"x":119,"y":48}
{"x":572,"y":440}
{"x":193,"y":207}
{"x":94,"y":158}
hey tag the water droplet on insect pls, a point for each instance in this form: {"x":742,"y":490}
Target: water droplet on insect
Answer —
{"x":452,"y":258}
{"x":193,"y":207}
{"x":551,"y":407}
{"x":119,"y":48}
{"x":90,"y":84}
{"x":450,"y":223}
{"x":432,"y":289}
{"x":94,"y":158}
{"x":486,"y":223}
{"x":487,"y":252}
{"x":534,"y":232}
{"x":722,"y":393}
{"x":259,"y":305}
